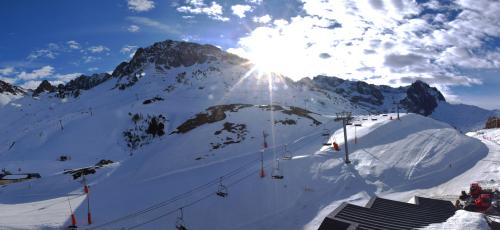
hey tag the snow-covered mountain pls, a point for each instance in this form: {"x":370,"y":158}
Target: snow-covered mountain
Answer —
{"x":179,"y":119}
{"x":9,"y":92}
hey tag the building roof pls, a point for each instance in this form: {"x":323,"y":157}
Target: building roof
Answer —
{"x":382,"y":213}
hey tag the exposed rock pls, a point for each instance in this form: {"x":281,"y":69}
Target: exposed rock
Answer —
{"x":167,"y":55}
{"x":145,"y":130}
{"x":213,"y":114}
{"x":45,"y":86}
{"x":218,"y":113}
{"x":73,"y":87}
{"x":492,"y":123}
{"x":421,"y":98}
{"x":285,"y":122}
{"x":235,"y":133}
{"x":8,"y":88}
{"x":152,"y":100}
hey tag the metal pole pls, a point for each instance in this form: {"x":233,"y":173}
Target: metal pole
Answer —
{"x":355,"y":136}
{"x":397,"y":109}
{"x":347,"y":161}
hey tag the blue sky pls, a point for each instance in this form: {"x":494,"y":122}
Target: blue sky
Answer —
{"x":453,"y":45}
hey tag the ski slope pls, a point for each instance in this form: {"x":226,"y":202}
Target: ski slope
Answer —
{"x":216,"y":116}
{"x":388,"y":157}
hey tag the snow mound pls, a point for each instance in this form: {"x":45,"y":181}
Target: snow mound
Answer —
{"x":462,"y":220}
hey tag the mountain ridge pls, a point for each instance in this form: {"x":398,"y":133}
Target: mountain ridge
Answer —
{"x":167,"y":56}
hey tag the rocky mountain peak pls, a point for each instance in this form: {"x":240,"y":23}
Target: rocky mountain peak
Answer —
{"x":421,"y":98}
{"x":8,"y":88}
{"x":45,"y":86}
{"x":171,"y":54}
{"x":83,"y":82}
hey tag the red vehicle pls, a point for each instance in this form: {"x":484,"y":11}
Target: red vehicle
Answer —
{"x":336,"y":146}
{"x":483,"y":202}
{"x":475,"y":190}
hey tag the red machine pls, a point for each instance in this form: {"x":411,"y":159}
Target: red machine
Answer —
{"x":336,"y":146}
{"x":475,"y":190}
{"x":483,"y":202}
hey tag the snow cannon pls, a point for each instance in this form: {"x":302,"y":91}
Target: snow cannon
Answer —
{"x":483,"y":202}
{"x":475,"y":190}
{"x":336,"y":146}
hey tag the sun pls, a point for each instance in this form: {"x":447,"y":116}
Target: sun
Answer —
{"x":268,"y":59}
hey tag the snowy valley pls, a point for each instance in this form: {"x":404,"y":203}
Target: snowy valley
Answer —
{"x":181,"y":121}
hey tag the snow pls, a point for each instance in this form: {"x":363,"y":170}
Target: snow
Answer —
{"x":463,"y":117}
{"x":462,"y":220}
{"x":13,"y":177}
{"x":6,"y":98}
{"x":392,"y":158}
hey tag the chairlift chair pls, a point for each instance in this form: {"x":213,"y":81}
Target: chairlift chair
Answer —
{"x":358,"y":124}
{"x":222,"y":190}
{"x":277,"y":174}
{"x":325,"y":133}
{"x":179,"y":223}
{"x":326,"y":141}
{"x":287,"y":155}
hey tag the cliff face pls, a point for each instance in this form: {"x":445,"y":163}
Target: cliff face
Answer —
{"x":492,"y":123}
{"x":421,"y":98}
{"x":8,"y":88}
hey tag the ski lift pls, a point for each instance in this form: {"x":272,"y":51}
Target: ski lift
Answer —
{"x":325,"y":132}
{"x":179,"y":223}
{"x":326,"y":139}
{"x":287,"y":155}
{"x":277,"y":174}
{"x":222,"y":191}
{"x":357,"y":124}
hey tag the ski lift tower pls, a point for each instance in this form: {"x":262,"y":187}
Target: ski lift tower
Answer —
{"x":345,"y":117}
{"x":397,"y":108}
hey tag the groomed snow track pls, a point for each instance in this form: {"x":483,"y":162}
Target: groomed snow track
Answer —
{"x":382,"y":213}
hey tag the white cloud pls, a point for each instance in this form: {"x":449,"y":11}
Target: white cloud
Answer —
{"x":63,"y":78}
{"x":8,"y":80}
{"x":154,"y":24}
{"x":93,"y":69}
{"x":7,"y":70}
{"x":133,"y":28}
{"x":98,"y":49}
{"x":213,"y":11}
{"x":43,"y":72}
{"x":257,"y":2}
{"x":127,"y":49}
{"x":241,"y":10}
{"x":263,"y":19}
{"x":31,"y":84}
{"x":73,"y":45}
{"x":47,"y":53}
{"x":359,"y":39}
{"x":89,"y":59}
{"x":140,"y":5}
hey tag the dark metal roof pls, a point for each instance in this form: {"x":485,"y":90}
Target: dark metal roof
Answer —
{"x":384,"y":214}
